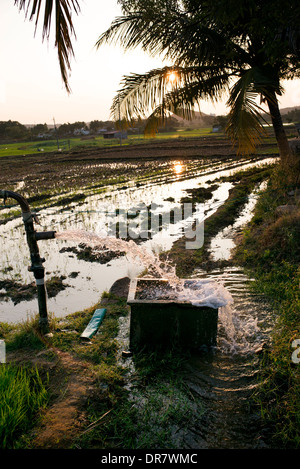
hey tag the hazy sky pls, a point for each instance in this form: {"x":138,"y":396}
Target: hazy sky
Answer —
{"x":31,"y":89}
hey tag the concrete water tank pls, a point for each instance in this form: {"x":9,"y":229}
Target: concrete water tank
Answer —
{"x":158,"y":319}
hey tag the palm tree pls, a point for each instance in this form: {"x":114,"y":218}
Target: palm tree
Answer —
{"x":64,"y":28}
{"x":241,"y":48}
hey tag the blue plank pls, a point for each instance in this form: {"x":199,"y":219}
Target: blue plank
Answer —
{"x":94,"y":323}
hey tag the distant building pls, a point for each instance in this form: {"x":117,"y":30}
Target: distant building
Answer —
{"x":81,"y":132}
{"x":217,"y":128}
{"x":115,"y":134}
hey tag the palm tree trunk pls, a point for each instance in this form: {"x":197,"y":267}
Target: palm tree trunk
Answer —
{"x":281,"y":138}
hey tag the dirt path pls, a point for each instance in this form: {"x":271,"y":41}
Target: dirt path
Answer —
{"x":64,"y":419}
{"x":69,"y":385}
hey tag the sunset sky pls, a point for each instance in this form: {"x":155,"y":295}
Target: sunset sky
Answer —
{"x":31,"y":89}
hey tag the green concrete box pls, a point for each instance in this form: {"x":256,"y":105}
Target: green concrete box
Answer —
{"x":158,"y":320}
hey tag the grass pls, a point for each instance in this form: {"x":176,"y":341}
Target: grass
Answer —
{"x":270,"y":251}
{"x":23,"y":394}
{"x":149,"y":415}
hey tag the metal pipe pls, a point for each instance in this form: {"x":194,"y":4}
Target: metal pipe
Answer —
{"x":36,"y":267}
{"x":44,"y":235}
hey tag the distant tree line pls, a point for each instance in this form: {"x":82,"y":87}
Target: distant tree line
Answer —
{"x":15,"y":131}
{"x":292,"y":116}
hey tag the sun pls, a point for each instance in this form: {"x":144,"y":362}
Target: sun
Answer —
{"x":172,"y":77}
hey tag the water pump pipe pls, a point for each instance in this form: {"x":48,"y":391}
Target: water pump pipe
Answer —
{"x":36,"y":261}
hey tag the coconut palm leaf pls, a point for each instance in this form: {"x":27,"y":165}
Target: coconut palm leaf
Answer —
{"x":64,"y":28}
{"x":152,"y":93}
{"x":249,"y":41}
{"x":174,"y":36}
{"x":245,"y":119}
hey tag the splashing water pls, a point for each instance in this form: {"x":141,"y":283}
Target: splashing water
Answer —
{"x":131,"y":249}
{"x":202,"y":292}
{"x":238,"y":332}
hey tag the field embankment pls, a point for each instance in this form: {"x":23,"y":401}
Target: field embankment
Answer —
{"x":269,"y":249}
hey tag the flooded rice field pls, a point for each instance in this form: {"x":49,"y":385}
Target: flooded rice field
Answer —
{"x":89,"y":254}
{"x":86,"y":272}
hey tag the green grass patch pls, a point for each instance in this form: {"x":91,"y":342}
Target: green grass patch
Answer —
{"x":23,"y":394}
{"x":79,"y":144}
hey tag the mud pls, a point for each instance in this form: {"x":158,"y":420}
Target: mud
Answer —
{"x":87,"y":254}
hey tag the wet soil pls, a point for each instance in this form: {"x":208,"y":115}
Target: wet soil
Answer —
{"x":58,"y":172}
{"x":86,"y":253}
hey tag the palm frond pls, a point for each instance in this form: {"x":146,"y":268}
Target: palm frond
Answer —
{"x":151,"y":96}
{"x":64,"y":27}
{"x":245,"y":119}
{"x":175,"y":36}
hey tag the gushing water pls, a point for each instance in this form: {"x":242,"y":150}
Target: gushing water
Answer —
{"x":202,"y":292}
{"x":130,"y":248}
{"x":237,"y":334}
